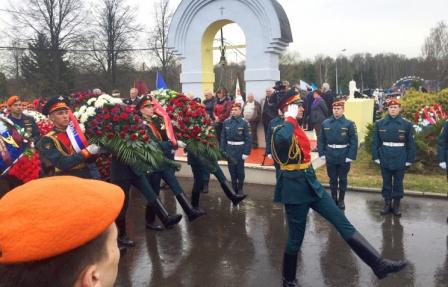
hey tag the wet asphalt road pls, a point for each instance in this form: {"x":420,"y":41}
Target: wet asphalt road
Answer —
{"x":243,"y":246}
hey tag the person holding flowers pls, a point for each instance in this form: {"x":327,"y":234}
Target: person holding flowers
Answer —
{"x":16,"y":115}
{"x":56,"y":149}
{"x":236,"y":141}
{"x":154,"y":116}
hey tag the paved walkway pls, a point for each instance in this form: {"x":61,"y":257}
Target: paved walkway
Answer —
{"x":243,"y":246}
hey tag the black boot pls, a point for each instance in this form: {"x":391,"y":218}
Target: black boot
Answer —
{"x":167,"y":220}
{"x":380,"y":266}
{"x":122,"y":239}
{"x":235,"y":198}
{"x":396,"y":207}
{"x":205,"y":187}
{"x":191,"y":212}
{"x":151,"y":219}
{"x":386,"y":208}
{"x":289,"y":270}
{"x":341,"y":203}
{"x":195,"y":199}
{"x":334,"y":195}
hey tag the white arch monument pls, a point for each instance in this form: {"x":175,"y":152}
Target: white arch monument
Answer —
{"x":195,"y":24}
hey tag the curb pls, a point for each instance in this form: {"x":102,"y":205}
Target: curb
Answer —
{"x":412,"y":193}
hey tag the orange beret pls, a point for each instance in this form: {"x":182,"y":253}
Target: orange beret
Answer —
{"x":236,"y":105}
{"x":11,"y":100}
{"x":50,"y":216}
{"x":394,"y":102}
{"x":339,"y":103}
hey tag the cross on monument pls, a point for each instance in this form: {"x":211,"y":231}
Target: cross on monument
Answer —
{"x":222,"y":10}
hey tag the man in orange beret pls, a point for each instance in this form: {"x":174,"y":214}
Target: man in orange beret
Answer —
{"x":56,"y":149}
{"x":394,"y":150}
{"x":236,"y":141}
{"x":15,"y":107}
{"x":60,"y":232}
{"x":338,"y":146}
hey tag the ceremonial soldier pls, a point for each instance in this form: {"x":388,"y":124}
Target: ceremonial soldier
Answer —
{"x":299,"y":190}
{"x":394,"y":150}
{"x":133,"y":97}
{"x":167,"y":173}
{"x":236,"y":141}
{"x":338,"y":146}
{"x":56,"y":149}
{"x":18,"y":118}
{"x":442,"y":148}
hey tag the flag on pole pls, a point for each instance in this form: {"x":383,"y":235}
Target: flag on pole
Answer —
{"x":160,"y":82}
{"x":304,"y":86}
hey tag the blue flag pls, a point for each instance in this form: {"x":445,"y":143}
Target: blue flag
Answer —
{"x":160,"y":82}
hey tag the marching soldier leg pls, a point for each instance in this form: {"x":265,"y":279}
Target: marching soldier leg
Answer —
{"x":141,"y":182}
{"x":206,"y":180}
{"x":122,"y":239}
{"x":198,"y":184}
{"x":386,"y":191}
{"x":296,"y":215}
{"x":150,"y":213}
{"x":397,"y":191}
{"x":333,"y":175}
{"x":228,"y":191}
{"x":342,"y":175}
{"x":366,"y":252}
{"x":169,"y":177}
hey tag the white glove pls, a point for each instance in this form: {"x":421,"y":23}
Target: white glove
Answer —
{"x":181,"y":144}
{"x":377,"y":161}
{"x":347,"y":160}
{"x":293,"y":111}
{"x":93,"y":149}
{"x":270,"y":156}
{"x":244,"y":157}
{"x":408,"y":164}
{"x":323,"y":158}
{"x":442,"y":165}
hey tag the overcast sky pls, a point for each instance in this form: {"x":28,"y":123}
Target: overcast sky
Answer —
{"x":329,"y":26}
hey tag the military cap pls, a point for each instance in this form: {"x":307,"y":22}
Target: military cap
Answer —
{"x":56,"y":103}
{"x":340,"y":103}
{"x":393,"y":102}
{"x":11,"y":100}
{"x":47,"y":217}
{"x":145,"y":101}
{"x":288,"y":98}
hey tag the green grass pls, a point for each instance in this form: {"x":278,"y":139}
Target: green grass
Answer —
{"x":365,"y":173}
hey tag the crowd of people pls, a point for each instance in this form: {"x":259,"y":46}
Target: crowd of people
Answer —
{"x":41,"y":227}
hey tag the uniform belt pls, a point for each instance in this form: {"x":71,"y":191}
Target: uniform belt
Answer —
{"x":338,"y":145}
{"x":235,"y":143}
{"x":393,"y":144}
{"x":297,"y":166}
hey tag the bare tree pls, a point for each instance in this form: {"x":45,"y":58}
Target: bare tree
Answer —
{"x":158,"y":36}
{"x":435,"y":50}
{"x":59,"y":20}
{"x":113,"y":35}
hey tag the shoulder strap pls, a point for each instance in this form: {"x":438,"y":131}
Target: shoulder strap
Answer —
{"x":51,"y":135}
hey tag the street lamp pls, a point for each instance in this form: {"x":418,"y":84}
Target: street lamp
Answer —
{"x":337,"y":83}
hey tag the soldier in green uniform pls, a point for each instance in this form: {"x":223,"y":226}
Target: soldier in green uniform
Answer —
{"x":442,"y":148}
{"x":338,"y":146}
{"x":236,"y":141}
{"x":56,"y":149}
{"x":393,"y":148}
{"x":167,"y":173}
{"x":299,"y":190}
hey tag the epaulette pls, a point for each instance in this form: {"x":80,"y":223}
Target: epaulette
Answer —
{"x":51,"y":135}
